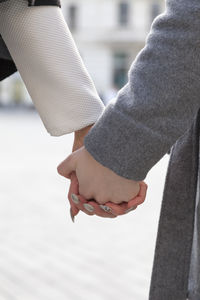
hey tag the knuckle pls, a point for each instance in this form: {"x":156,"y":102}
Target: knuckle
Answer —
{"x":101,"y":199}
{"x":141,"y":201}
{"x":85,"y":193}
{"x":118,"y":201}
{"x":60,"y":169}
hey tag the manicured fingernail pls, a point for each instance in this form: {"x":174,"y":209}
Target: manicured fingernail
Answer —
{"x":88,"y":207}
{"x":130,"y":209}
{"x":72,"y":216}
{"x":106,"y":208}
{"x":74,"y":198}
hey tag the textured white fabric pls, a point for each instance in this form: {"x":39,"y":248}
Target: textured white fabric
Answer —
{"x":45,"y":54}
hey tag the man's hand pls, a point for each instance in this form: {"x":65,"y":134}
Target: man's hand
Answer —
{"x":96,"y":181}
{"x":108,"y":210}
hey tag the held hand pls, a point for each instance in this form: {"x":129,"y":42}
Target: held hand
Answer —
{"x":96,"y":181}
{"x":109,"y":209}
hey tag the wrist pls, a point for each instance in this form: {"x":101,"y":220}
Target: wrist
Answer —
{"x":81,"y":133}
{"x":79,"y":136}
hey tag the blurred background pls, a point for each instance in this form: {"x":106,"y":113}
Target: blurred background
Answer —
{"x":109,"y":35}
{"x":43,"y":255}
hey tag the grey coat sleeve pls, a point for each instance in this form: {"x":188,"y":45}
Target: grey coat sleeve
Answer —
{"x":160,"y":100}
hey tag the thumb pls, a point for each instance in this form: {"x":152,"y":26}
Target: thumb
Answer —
{"x":68,"y":166}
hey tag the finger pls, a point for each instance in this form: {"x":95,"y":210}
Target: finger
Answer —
{"x":103,"y":210}
{"x":125,"y":207}
{"x":73,"y":190}
{"x":143,"y":189}
{"x":83,"y":205}
{"x":68,"y":166}
{"x":139,"y":199}
{"x":91,"y":207}
{"x":74,"y":208}
{"x":121,"y":208}
{"x":118,"y":209}
{"x":100,"y":211}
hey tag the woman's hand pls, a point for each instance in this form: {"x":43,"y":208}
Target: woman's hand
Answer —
{"x":79,"y":136}
{"x":92,"y":207}
{"x":96,"y":181}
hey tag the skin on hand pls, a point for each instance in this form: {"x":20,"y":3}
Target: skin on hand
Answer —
{"x":79,"y":136}
{"x":96,"y":181}
{"x":116,"y":209}
{"x":73,"y":190}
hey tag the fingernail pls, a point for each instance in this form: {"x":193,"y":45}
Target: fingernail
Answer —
{"x":130,"y":209}
{"x":106,"y":208}
{"x":74,"y":198}
{"x":88,"y":207}
{"x":72,"y":216}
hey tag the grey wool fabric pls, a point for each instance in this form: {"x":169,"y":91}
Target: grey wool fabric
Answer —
{"x":175,"y":273}
{"x":194,"y":275}
{"x":160,"y":100}
{"x":155,"y":111}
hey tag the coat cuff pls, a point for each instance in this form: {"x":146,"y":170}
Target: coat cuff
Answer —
{"x":126,"y":149}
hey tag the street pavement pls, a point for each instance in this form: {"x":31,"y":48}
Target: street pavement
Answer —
{"x":43,"y":255}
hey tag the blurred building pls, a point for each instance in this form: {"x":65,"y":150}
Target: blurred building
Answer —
{"x":109,"y":34}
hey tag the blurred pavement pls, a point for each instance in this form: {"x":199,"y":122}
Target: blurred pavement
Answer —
{"x":43,"y":255}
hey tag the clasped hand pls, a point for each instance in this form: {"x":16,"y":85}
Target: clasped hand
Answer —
{"x":107,"y":194}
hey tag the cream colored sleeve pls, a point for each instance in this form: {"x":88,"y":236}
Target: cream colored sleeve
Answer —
{"x":47,"y":58}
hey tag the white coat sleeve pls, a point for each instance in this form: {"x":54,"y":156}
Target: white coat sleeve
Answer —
{"x":50,"y":65}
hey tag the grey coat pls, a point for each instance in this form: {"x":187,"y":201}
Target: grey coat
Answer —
{"x":155,"y":111}
{"x":171,"y":277}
